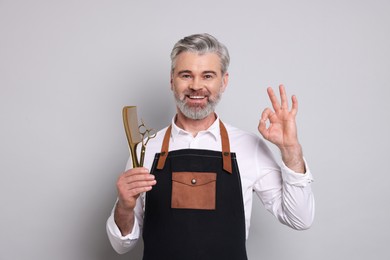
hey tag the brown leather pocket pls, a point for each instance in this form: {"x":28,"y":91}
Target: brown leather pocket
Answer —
{"x":193,"y":190}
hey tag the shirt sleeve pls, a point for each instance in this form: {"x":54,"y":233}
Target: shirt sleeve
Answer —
{"x":123,"y":244}
{"x":297,"y":179}
{"x":287,"y":195}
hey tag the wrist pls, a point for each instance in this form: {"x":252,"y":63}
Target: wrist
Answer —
{"x":124,"y":219}
{"x":123,"y":208}
{"x":292,"y":157}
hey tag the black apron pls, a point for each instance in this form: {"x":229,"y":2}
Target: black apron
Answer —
{"x":195,"y":211}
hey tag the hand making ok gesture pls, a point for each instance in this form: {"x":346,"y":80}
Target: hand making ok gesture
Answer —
{"x":282,"y":129}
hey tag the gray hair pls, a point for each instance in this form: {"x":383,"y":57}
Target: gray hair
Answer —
{"x":201,"y":44}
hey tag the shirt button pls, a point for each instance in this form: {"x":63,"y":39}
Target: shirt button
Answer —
{"x":193,"y":181}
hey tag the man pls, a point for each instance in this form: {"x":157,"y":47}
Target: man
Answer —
{"x":193,"y":199}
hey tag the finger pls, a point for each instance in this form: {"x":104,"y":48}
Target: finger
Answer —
{"x":136,"y":187}
{"x":274,"y":100}
{"x":136,"y":171}
{"x":135,"y":175}
{"x":140,"y":190}
{"x":283,"y":97}
{"x":138,"y":176}
{"x":263,"y":129}
{"x":137,"y":180}
{"x":267,"y":113}
{"x":130,"y":196}
{"x":294,"y":109}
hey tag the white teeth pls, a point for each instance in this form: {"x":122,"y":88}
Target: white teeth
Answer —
{"x":196,"y":97}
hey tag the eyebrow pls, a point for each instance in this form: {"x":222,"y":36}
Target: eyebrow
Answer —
{"x":204,"y":72}
{"x":209,"y":71}
{"x":183,"y":71}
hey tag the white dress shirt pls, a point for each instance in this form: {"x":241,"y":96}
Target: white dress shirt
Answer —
{"x":283,"y":192}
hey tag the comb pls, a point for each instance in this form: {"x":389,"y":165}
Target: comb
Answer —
{"x":130,"y":121}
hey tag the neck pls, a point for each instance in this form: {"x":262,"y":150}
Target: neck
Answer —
{"x":194,"y":126}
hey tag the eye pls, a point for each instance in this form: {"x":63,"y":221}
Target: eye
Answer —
{"x":208,"y":76}
{"x":185,"y":76}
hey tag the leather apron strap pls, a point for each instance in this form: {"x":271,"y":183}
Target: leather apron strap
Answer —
{"x":226,"y":155}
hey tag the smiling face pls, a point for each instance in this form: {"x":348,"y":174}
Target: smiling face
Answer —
{"x":197,"y":83}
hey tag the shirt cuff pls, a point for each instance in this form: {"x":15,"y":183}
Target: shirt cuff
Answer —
{"x":297,"y":179}
{"x":114,"y":230}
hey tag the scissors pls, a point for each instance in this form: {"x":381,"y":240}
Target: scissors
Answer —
{"x":146,"y":134}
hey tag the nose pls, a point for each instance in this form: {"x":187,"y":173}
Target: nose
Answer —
{"x":196,"y":84}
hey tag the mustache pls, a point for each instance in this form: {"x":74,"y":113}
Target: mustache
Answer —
{"x":196,"y":93}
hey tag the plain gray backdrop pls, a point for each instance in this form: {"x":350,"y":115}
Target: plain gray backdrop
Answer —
{"x":68,"y":67}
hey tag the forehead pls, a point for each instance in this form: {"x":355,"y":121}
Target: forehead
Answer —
{"x":198,"y":62}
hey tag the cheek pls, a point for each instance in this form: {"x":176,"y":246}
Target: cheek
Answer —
{"x":178,"y":86}
{"x":175,"y":91}
{"x":218,"y":88}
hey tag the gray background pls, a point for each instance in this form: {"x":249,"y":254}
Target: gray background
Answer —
{"x":68,"y":67}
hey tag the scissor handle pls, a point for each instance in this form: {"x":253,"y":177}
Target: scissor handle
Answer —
{"x":152,"y":133}
{"x":146,"y":132}
{"x":142,"y":128}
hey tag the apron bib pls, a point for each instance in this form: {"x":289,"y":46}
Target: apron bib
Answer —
{"x":195,"y":211}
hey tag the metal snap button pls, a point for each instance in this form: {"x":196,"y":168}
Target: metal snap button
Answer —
{"x":193,"y":181}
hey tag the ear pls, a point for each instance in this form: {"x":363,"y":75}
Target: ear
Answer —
{"x":171,"y":81}
{"x":225,"y":81}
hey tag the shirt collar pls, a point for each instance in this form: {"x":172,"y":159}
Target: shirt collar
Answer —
{"x":213,"y":130}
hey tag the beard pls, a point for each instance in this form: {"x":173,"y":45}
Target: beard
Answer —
{"x":197,"y":112}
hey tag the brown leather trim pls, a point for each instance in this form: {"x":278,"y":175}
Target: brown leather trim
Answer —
{"x":226,"y":155}
{"x":164,"y":149}
{"x":193,"y":190}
